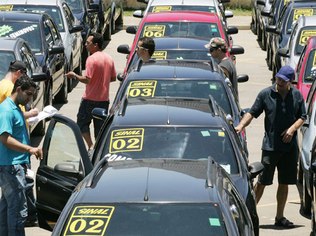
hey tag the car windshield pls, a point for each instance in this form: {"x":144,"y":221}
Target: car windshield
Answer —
{"x":53,"y":11}
{"x":296,"y":13}
{"x":181,"y":29}
{"x":164,"y":8}
{"x":180,"y":88}
{"x":182,"y":54}
{"x":6,"y":58}
{"x":30,"y":32}
{"x":143,"y":219}
{"x":303,"y":36}
{"x":310,"y":68}
{"x":75,"y":5}
{"x":171,"y":142}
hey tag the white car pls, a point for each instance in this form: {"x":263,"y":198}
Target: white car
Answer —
{"x":302,"y":29}
{"x":69,"y":27}
{"x":212,"y":6}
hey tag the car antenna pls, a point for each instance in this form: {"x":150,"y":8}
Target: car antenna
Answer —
{"x":146,"y":190}
{"x":212,"y":104}
{"x":124,"y":105}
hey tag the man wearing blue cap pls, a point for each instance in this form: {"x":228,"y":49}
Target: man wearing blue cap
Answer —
{"x":285,"y":113}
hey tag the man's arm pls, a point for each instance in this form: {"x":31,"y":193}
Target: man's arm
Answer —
{"x":288,"y":133}
{"x":245,"y":121}
{"x":82,"y":78}
{"x":15,"y":145}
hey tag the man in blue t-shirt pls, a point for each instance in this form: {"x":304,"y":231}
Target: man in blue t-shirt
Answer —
{"x":15,"y":155}
{"x":285,"y":113}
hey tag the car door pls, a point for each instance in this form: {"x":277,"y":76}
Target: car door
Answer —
{"x":65,"y":163}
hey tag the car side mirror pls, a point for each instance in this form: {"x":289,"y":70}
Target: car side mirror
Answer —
{"x":76,"y":28}
{"x":131,"y":29}
{"x":237,"y":50}
{"x":68,"y":169}
{"x":39,"y":77}
{"x":123,"y":48}
{"x":138,"y":14}
{"x":120,"y":77}
{"x":99,"y":113}
{"x":283,"y":52}
{"x":232,"y":30}
{"x":255,"y":169}
{"x":242,"y":78}
{"x":56,"y":50}
{"x":271,"y":29}
{"x":228,"y":14}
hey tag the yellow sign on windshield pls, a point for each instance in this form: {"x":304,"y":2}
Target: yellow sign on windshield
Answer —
{"x":160,"y":55}
{"x":305,"y":35}
{"x":144,"y":88}
{"x":161,"y":8}
{"x":127,"y":140}
{"x":302,"y":12}
{"x":155,"y":31}
{"x":6,"y":7}
{"x":89,"y":220}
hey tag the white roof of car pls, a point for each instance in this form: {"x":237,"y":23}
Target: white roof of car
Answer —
{"x":31,"y":2}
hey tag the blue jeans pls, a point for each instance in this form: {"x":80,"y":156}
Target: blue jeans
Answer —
{"x":13,"y":205}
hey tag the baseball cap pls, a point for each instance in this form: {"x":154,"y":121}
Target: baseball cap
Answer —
{"x":216,"y":42}
{"x":286,"y":73}
{"x":17,"y":65}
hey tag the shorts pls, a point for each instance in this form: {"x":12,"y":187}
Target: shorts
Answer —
{"x":84,"y":116}
{"x":285,"y":162}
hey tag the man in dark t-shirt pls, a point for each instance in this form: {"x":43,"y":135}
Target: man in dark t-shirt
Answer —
{"x":285,"y":113}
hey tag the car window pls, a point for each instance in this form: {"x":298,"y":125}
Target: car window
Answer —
{"x":296,"y":13}
{"x":302,"y":38}
{"x":171,"y":142}
{"x":181,"y":29}
{"x":180,"y":88}
{"x":53,"y":11}
{"x":146,"y":219}
{"x":29,"y":31}
{"x":310,"y":68}
{"x":75,"y":4}
{"x":65,"y":150}
{"x":28,"y":59}
{"x":6,"y":58}
{"x":48,"y":34}
{"x":70,"y":19}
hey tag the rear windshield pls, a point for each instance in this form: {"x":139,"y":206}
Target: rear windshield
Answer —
{"x":152,"y":219}
{"x":181,"y":29}
{"x":165,"y":8}
{"x":171,"y":142}
{"x":180,"y":88}
{"x":30,"y":32}
{"x":304,"y":35}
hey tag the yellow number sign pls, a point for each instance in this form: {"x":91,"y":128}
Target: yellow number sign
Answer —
{"x":89,"y":220}
{"x":302,"y":12}
{"x":160,"y":55}
{"x":305,"y":35}
{"x":154,"y":31}
{"x":127,"y":140}
{"x":6,"y":8}
{"x":144,"y":88}
{"x":162,"y":8}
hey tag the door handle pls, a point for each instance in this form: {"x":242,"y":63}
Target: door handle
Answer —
{"x":42,"y":179}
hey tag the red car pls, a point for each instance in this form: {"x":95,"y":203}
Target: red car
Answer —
{"x":181,"y":24}
{"x":306,"y":67}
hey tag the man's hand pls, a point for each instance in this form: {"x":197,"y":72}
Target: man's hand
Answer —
{"x":37,"y":152}
{"x":71,"y":75}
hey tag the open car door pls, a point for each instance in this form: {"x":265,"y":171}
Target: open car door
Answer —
{"x":65,"y":163}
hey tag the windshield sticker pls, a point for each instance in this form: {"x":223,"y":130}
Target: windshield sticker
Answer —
{"x":205,"y":133}
{"x":221,"y":134}
{"x":160,"y":55}
{"x":5,"y":29}
{"x":301,"y":12}
{"x":213,"y":86}
{"x":214,"y":222}
{"x":161,"y":8}
{"x":214,"y":28}
{"x":127,"y":140}
{"x":6,"y":8}
{"x":155,"y":31}
{"x":286,"y":1}
{"x":114,"y":157}
{"x":144,"y":88}
{"x":22,"y":31}
{"x":226,"y":167}
{"x":305,"y":35}
{"x":89,"y":220}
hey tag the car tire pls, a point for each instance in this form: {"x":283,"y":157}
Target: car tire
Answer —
{"x":107,"y":33}
{"x":48,"y":100}
{"x":62,"y":95}
{"x":119,"y":23}
{"x":306,"y":203}
{"x":264,"y":40}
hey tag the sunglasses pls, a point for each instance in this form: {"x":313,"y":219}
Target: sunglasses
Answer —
{"x":212,"y":49}
{"x":140,"y":47}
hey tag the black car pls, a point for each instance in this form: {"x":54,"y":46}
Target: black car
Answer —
{"x":183,"y":78}
{"x":18,"y":49}
{"x":174,"y":48}
{"x":40,"y":31}
{"x":162,"y":128}
{"x":157,"y":198}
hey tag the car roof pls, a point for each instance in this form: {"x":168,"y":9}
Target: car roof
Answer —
{"x":307,"y":20}
{"x":183,"y":2}
{"x":180,"y":43}
{"x":167,"y":111}
{"x":32,"y":2}
{"x":186,"y":181}
{"x":176,"y":69}
{"x":8,"y":44}
{"x":189,"y":16}
{"x":20,"y":16}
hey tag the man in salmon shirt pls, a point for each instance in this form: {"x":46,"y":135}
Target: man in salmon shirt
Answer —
{"x":100,"y":71}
